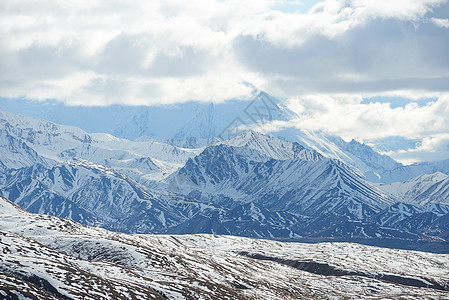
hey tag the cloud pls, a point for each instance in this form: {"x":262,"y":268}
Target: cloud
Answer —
{"x":155,"y":52}
{"x":444,"y":23}
{"x":423,"y":129}
{"x":432,"y":148}
{"x":382,"y":55}
{"x":349,"y":118}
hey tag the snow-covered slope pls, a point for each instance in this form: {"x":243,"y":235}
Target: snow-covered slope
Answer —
{"x":422,"y":190}
{"x":362,"y":158}
{"x":424,"y":206}
{"x":272,"y":147}
{"x":412,"y":217}
{"x":405,"y":173}
{"x":44,"y":256}
{"x":366,"y":159}
{"x":14,"y":152}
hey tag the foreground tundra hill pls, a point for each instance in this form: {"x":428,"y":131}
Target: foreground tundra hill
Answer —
{"x":48,"y":257}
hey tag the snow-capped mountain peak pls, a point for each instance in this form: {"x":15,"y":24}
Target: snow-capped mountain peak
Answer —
{"x":273,"y":147}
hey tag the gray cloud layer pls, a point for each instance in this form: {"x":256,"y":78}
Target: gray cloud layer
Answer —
{"x":382,"y":55}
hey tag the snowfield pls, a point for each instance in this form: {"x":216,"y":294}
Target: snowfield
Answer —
{"x":47,"y":257}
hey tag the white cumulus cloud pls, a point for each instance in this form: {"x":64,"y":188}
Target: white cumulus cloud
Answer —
{"x":444,"y":23}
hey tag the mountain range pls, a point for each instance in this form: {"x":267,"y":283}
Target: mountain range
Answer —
{"x":252,"y":184}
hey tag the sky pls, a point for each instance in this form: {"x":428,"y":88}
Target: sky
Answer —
{"x":359,"y":69}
